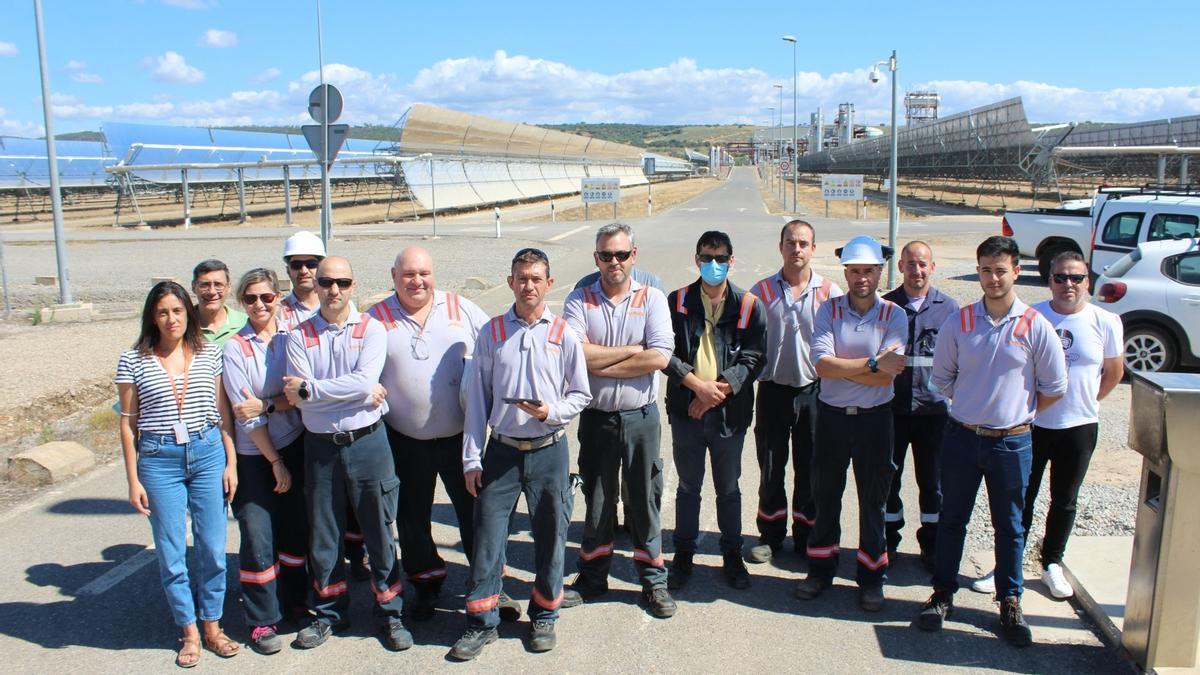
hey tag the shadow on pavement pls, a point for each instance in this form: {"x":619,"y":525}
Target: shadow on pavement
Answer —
{"x":92,"y":507}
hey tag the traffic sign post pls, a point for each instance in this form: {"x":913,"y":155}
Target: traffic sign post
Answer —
{"x":325,"y":139}
{"x":600,"y":190}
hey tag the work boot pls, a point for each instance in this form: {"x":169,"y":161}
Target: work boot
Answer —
{"x":811,"y":586}
{"x":936,"y":610}
{"x":1013,"y":624}
{"x":659,"y":602}
{"x":762,"y":553}
{"x":870,"y":598}
{"x":541,"y":636}
{"x":472,"y":642}
{"x":681,"y":570}
{"x":264,"y":640}
{"x":510,"y":610}
{"x":735,"y":569}
{"x":424,"y":602}
{"x":586,"y":589}
{"x":316,"y":633}
{"x":396,"y":637}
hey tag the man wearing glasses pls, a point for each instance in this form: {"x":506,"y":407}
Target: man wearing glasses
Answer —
{"x":529,"y":379}
{"x":626,"y":332}
{"x":302,"y":252}
{"x":720,"y":336}
{"x":334,"y":363}
{"x":430,"y":336}
{"x":210,"y":284}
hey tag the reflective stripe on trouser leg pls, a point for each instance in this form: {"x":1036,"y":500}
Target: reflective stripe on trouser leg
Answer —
{"x":871,"y":455}
{"x":374,"y":490}
{"x":258,"y":564}
{"x":290,"y":523}
{"x":830,"y":461}
{"x":641,"y":433}
{"x":503,"y":467}
{"x":599,"y":462}
{"x":547,"y":489}
{"x":418,"y":465}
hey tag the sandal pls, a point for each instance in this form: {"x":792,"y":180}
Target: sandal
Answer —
{"x":221,"y":645}
{"x":189,"y":652}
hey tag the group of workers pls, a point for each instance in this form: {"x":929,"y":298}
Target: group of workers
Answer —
{"x":324,"y":426}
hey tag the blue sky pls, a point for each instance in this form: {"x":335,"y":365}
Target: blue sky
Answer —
{"x":253,"y":61}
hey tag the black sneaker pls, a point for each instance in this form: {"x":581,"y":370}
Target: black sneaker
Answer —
{"x":586,"y":589}
{"x":541,"y":636}
{"x":1013,"y":624}
{"x":762,"y":553}
{"x":396,"y":637}
{"x":510,"y":610}
{"x":936,"y":610}
{"x":265,"y":640}
{"x":811,"y":586}
{"x":472,"y":642}
{"x":424,"y":603}
{"x":681,"y":570}
{"x":870,"y":598}
{"x":316,"y":633}
{"x":735,"y":570}
{"x":659,"y":602}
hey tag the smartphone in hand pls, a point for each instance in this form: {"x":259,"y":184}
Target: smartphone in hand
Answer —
{"x":531,"y":401}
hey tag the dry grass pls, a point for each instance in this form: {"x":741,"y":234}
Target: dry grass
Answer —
{"x":812,"y":204}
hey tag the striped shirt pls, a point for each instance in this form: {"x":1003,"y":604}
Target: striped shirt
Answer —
{"x":157,"y":409}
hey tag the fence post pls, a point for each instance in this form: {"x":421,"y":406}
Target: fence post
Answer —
{"x":241,"y":190}
{"x":187,"y":200}
{"x":287,"y":195}
{"x":497,"y":212}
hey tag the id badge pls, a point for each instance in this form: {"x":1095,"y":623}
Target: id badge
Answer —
{"x":181,"y":432}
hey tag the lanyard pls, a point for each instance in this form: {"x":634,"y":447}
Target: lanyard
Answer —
{"x":187,"y":368}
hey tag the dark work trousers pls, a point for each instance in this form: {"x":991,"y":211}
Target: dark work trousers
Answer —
{"x":627,"y":441}
{"x":1068,"y":452}
{"x":274,"y":551}
{"x":353,"y":539}
{"x":924,"y":434}
{"x":785,"y":416}
{"x":363,"y":474}
{"x":691,"y":441}
{"x":866,"y":440}
{"x":542,"y":476}
{"x":418,"y":465}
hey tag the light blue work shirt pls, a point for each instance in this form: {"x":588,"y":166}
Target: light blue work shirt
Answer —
{"x":292,"y":312}
{"x":790,"y":327}
{"x":341,"y":366}
{"x":259,"y":367}
{"x":841,"y":332}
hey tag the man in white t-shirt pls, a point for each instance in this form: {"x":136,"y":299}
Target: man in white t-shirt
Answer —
{"x":1064,"y":434}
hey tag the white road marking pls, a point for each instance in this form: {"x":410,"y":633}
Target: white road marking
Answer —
{"x":116,"y":575}
{"x":568,"y":233}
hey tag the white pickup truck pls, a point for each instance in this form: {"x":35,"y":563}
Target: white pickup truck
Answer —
{"x":1106,"y":227}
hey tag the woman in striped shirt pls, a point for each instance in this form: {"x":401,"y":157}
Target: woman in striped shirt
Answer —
{"x":179,"y":459}
{"x":270,"y":445}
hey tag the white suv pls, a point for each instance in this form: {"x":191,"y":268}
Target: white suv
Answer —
{"x":1155,"y":289}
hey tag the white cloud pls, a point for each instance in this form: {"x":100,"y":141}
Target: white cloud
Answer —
{"x":78,"y":70}
{"x":218,"y":39}
{"x":75,"y":65}
{"x":190,"y":4}
{"x":8,"y":49}
{"x":266,"y":76}
{"x":171,"y":67}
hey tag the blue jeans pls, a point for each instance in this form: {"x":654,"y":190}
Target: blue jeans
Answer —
{"x":1003,"y":463}
{"x":180,"y":479}
{"x":690,"y":439}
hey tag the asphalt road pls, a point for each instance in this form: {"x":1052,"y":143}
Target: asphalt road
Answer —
{"x":83,"y":590}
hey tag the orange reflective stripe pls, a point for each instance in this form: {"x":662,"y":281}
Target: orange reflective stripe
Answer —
{"x":483,"y":604}
{"x":589,"y":299}
{"x":427,"y":575}
{"x":555,"y":335}
{"x":311,"y":339}
{"x":799,"y":515}
{"x":823,"y":291}
{"x":639,"y":298}
{"x":643,"y":556}
{"x":866,"y":561}
{"x":452,"y":308}
{"x":391,"y":592}
{"x":1024,"y":323}
{"x":352,"y":536}
{"x":499,"y":334}
{"x":680,"y":296}
{"x":748,"y":301}
{"x":605,"y":549}
{"x":361,"y":329}
{"x":823,"y":551}
{"x":966,"y":318}
{"x":330,"y":591}
{"x":836,"y":310}
{"x":291,"y":560}
{"x":247,"y":348}
{"x":547,"y":604}
{"x":250,"y":577}
{"x":763,"y":515}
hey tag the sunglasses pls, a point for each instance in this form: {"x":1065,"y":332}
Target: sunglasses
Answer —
{"x":328,"y":282}
{"x":1075,"y":278}
{"x":298,"y":265}
{"x":607,"y":256}
{"x":706,"y":258}
{"x":267,"y":298}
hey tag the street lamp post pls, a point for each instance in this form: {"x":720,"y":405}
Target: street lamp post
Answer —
{"x":779,"y":145}
{"x":60,"y":240}
{"x":893,"y":213}
{"x":795,"y":144}
{"x":771,"y":125}
{"x":432,"y":189}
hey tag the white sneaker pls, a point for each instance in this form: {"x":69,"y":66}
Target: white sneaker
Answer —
{"x":985,"y":583}
{"x":1056,"y":581}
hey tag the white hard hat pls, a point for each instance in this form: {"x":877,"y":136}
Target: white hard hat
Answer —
{"x":863,"y":250}
{"x":303,"y":243}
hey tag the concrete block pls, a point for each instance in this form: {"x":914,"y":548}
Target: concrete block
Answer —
{"x":477,"y":283}
{"x":45,"y":280}
{"x":74,"y":313}
{"x":51,"y":463}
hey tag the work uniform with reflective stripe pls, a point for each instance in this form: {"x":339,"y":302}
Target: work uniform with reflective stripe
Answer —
{"x":854,"y":425}
{"x":918,"y":417}
{"x":543,"y":361}
{"x":292,"y":312}
{"x":423,"y":375}
{"x":620,"y":430}
{"x":341,"y":366}
{"x":785,"y":419}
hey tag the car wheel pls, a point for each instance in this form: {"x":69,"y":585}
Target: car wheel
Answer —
{"x":1046,"y":258}
{"x":1149,"y":349}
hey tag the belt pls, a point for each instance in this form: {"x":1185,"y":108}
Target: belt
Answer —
{"x":527,"y":444}
{"x":344,"y":438}
{"x":856,"y":410}
{"x":996,"y":433}
{"x":810,"y":387}
{"x":609,"y":413}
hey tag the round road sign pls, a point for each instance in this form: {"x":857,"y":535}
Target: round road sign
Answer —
{"x":316,"y":104}
{"x":785,"y":165}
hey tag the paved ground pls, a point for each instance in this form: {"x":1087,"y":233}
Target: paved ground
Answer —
{"x":83,"y":589}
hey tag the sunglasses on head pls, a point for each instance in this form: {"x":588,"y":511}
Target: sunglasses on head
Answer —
{"x":607,"y":256}
{"x":707,"y":258}
{"x":1060,"y":278}
{"x":327,"y":282}
{"x":267,"y":298}
{"x":298,"y":265}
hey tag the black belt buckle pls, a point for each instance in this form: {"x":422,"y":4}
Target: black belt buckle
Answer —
{"x":851,"y":410}
{"x":342,"y":438}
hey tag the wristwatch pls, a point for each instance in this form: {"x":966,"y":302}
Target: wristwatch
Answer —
{"x":303,"y":393}
{"x":271,"y":407}
{"x":871,"y":363}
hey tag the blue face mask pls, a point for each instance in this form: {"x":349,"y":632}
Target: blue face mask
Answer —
{"x":713,"y":273}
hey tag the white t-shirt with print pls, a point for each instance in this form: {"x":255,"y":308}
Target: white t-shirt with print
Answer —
{"x":1088,"y":337}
